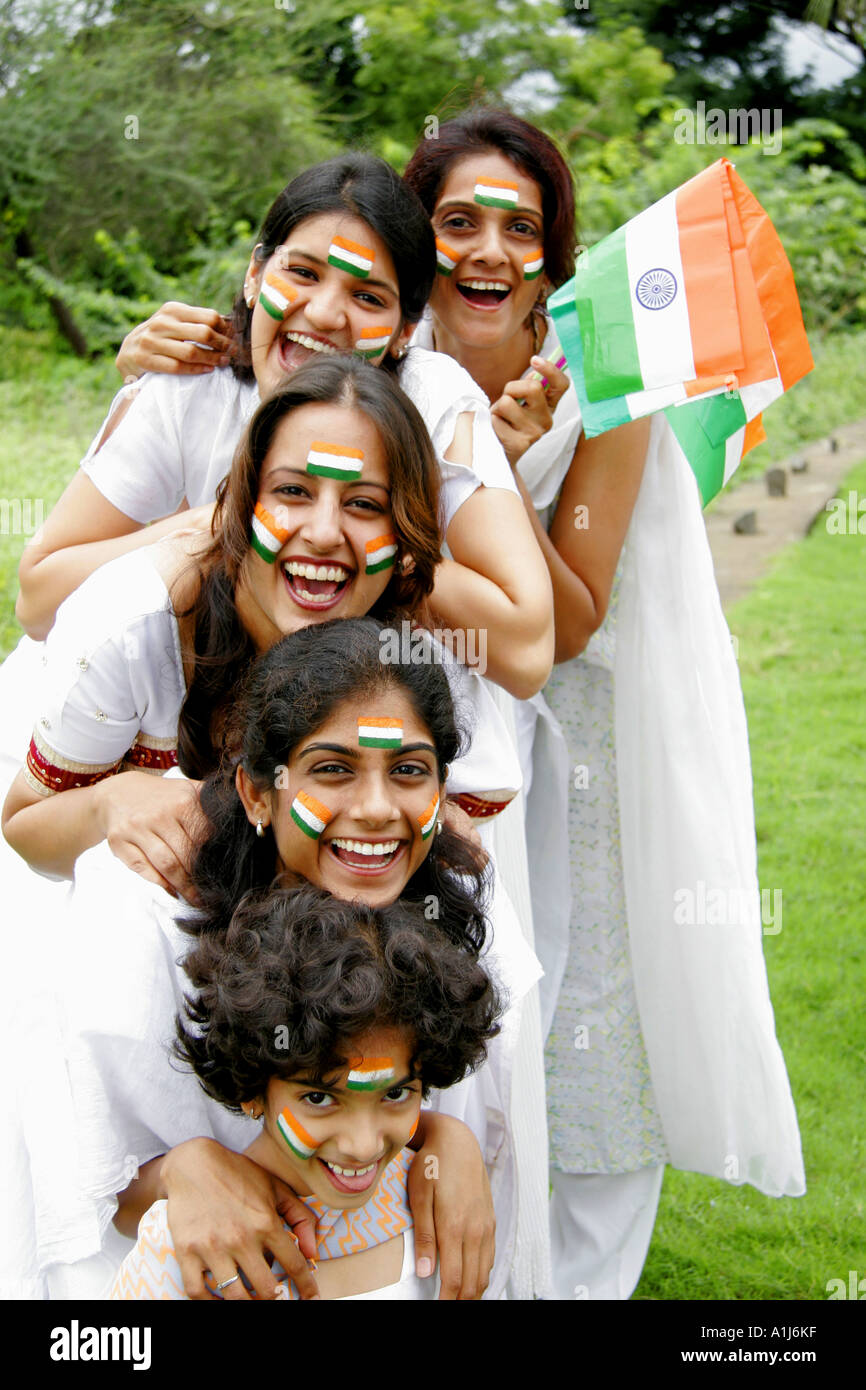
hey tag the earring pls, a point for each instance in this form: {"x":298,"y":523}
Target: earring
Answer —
{"x":438,"y":827}
{"x":260,"y":829}
{"x":249,"y":294}
{"x":253,"y":1114}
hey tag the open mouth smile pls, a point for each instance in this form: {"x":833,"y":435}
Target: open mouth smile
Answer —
{"x":294,"y":349}
{"x":366,"y":856}
{"x":484,"y":294}
{"x":351,"y":1179}
{"x":318,"y":586}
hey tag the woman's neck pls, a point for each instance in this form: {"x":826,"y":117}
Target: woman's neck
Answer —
{"x":491,"y":367}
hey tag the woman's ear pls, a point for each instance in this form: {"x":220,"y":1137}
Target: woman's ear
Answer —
{"x":398,"y":346}
{"x":252,"y":278}
{"x":253,"y":799}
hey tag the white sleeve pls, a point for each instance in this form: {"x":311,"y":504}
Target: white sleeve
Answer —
{"x":442,"y":390}
{"x":139,"y":469}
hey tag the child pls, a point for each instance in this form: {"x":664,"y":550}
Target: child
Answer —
{"x":329,"y":1022}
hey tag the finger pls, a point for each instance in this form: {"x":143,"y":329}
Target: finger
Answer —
{"x":450,"y":1269}
{"x":234,"y":1292}
{"x":286,"y":1248}
{"x":172,"y":366}
{"x":557,"y":381}
{"x":191,"y":1271}
{"x":169,"y":853}
{"x":509,"y":411}
{"x":297,"y":1215}
{"x":470,"y":1282}
{"x":130,"y":855}
{"x":257,"y":1272}
{"x":486,"y":1258}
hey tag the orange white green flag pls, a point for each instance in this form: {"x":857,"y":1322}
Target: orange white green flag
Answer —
{"x":689,"y":308}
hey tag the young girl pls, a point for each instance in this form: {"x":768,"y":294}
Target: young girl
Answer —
{"x":645,"y":1059}
{"x":328,"y":1022}
{"x":361,"y":819}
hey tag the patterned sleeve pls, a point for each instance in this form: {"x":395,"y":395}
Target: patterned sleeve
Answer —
{"x":109,"y":662}
{"x":150,"y":1271}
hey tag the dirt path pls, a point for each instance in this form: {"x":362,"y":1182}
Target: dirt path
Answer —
{"x":741,"y":560}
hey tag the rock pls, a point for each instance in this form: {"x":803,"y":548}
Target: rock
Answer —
{"x":777,"y":482}
{"x":800,"y":464}
{"x":746,"y":524}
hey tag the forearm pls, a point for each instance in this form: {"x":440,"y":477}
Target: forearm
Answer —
{"x":48,"y":577}
{"x":51,"y":833}
{"x":139,"y":1196}
{"x":510,"y":635}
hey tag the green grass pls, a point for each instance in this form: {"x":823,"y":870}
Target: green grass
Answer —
{"x":802,"y":652}
{"x":51,"y":406}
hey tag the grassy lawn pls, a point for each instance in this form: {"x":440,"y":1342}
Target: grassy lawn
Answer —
{"x":802,"y":652}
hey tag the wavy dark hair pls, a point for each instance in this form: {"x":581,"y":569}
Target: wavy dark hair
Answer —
{"x":301,"y":968}
{"x":486,"y":128}
{"x":289,"y":694}
{"x":221,"y":647}
{"x":365,"y":187}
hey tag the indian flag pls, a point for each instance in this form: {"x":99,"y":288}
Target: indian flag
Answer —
{"x":310,"y":815}
{"x":276,"y":294}
{"x":373,"y":341}
{"x":379,"y":733}
{"x":533,"y":265}
{"x":691,"y":303}
{"x":370,"y":1073}
{"x":351,"y":256}
{"x":427,"y":820}
{"x":446,"y":258}
{"x":380,"y":554}
{"x":302,"y":1144}
{"x":334,"y":460}
{"x":495,"y":193}
{"x":268,"y":538}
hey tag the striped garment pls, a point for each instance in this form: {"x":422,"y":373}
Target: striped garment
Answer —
{"x":495,"y":193}
{"x":151,"y":1271}
{"x":533,"y":265}
{"x":373,"y":341}
{"x":310,"y":815}
{"x":268,"y":537}
{"x":427,"y":820}
{"x":381,"y":553}
{"x":446,"y":259}
{"x":370,"y":1073}
{"x":351,"y":256}
{"x":302,"y":1144}
{"x":334,"y":460}
{"x":374,"y":732}
{"x":276,"y":294}
{"x":689,"y":308}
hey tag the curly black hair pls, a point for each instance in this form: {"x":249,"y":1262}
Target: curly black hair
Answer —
{"x":299,"y":975}
{"x":289,"y":693}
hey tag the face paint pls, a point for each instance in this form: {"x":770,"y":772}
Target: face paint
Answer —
{"x":334,"y":460}
{"x":268,"y":538}
{"x":276,"y":294}
{"x":427,"y":819}
{"x":446,"y":259}
{"x":495,"y":193}
{"x":373,"y":341}
{"x":310,"y":815}
{"x":351,"y":256}
{"x":302,"y":1144}
{"x":380,"y":554}
{"x":370,"y":1073}
{"x":533,"y":265}
{"x":379,"y":733}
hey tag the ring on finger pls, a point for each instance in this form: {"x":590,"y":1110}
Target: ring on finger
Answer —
{"x":225,"y":1283}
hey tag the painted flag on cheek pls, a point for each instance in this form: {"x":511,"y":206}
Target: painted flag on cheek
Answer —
{"x":381,"y":554}
{"x":268,"y":537}
{"x":276,"y":295}
{"x":310,"y":815}
{"x":373,"y":341}
{"x":689,"y":308}
{"x":427,"y":820}
{"x":446,"y":258}
{"x":533,"y":265}
{"x":302,"y":1144}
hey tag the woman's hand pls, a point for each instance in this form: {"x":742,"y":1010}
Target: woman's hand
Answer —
{"x":178,"y":338}
{"x":524,"y":411}
{"x":225,"y":1213}
{"x":449,"y":1194}
{"x":456,"y":818}
{"x":153,"y":825}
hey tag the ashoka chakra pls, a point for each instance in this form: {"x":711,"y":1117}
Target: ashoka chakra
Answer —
{"x":656,"y":288}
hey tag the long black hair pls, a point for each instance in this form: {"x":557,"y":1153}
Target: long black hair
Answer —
{"x":289,"y":693}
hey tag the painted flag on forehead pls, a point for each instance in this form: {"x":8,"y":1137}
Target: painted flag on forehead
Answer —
{"x":689,"y":308}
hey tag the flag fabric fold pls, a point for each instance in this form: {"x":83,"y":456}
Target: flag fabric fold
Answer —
{"x":689,"y":308}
